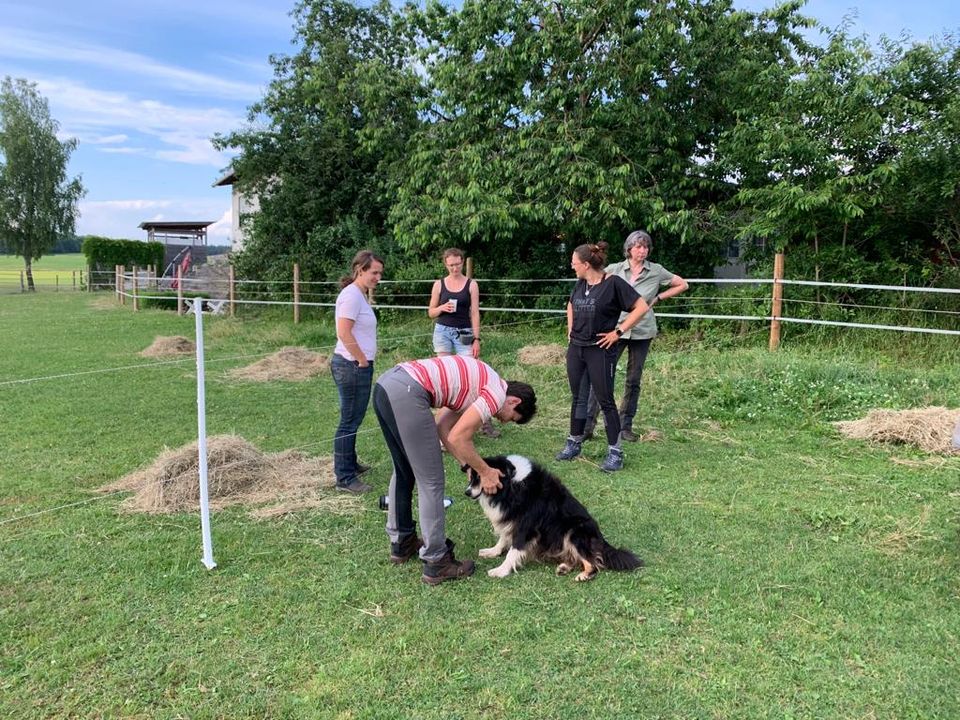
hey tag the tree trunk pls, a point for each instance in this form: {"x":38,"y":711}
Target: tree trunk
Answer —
{"x":29,"y":267}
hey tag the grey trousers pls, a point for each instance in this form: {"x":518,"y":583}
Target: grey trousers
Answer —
{"x":403,"y":409}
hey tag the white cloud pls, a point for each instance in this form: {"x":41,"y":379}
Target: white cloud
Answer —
{"x":24,"y":45}
{"x":107,"y":140}
{"x":122,"y":218}
{"x":182,"y":133}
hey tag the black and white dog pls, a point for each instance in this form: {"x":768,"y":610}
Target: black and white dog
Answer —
{"x":535,"y":517}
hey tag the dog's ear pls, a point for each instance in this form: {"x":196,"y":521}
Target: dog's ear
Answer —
{"x":465,"y":468}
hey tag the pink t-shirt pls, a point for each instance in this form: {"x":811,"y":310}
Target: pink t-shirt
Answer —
{"x":459,"y":382}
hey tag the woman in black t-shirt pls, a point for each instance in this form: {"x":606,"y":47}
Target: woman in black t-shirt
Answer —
{"x":592,"y":313}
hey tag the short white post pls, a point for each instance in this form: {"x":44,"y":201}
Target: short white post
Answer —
{"x":197,"y":310}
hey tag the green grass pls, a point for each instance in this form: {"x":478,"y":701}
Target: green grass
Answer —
{"x":49,"y":273}
{"x":791,"y":573}
{"x":49,"y":263}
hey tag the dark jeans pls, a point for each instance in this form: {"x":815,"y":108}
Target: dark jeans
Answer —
{"x":592,"y":367}
{"x":636,"y":358}
{"x":353,"y":384}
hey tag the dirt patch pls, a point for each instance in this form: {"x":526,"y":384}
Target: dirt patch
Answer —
{"x":169,"y":346}
{"x":237,"y":474}
{"x":288,"y":363}
{"x":542,"y":355}
{"x":930,"y":429}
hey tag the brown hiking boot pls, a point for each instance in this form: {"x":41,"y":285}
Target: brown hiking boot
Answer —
{"x":447,"y":568}
{"x":405,"y":549}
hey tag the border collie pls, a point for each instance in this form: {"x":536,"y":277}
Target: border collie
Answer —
{"x":535,"y":517}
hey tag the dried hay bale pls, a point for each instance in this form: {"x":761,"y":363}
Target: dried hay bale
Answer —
{"x":930,"y":429}
{"x":237,"y":473}
{"x":542,"y":355}
{"x":288,"y":363}
{"x":167,"y":346}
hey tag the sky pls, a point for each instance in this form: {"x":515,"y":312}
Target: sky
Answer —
{"x":144,"y":84}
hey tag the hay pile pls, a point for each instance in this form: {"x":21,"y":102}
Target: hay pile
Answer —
{"x":237,"y":473}
{"x":169,"y":346}
{"x":288,"y":363}
{"x":542,"y":355}
{"x":930,"y":429}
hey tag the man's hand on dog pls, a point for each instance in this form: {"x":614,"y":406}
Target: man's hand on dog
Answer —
{"x":489,"y":478}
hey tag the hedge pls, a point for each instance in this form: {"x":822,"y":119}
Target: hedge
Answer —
{"x":106,"y":253}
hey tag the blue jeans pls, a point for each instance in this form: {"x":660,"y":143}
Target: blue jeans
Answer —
{"x":353,"y":384}
{"x":450,"y":340}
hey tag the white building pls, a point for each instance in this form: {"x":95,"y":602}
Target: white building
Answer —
{"x":240,"y":206}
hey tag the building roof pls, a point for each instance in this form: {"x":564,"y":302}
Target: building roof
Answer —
{"x":177,"y":225}
{"x":229,"y":177}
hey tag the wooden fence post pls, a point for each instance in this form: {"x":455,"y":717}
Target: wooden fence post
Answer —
{"x":469,"y":267}
{"x":232,"y":293}
{"x":296,"y":293}
{"x":136,"y":288}
{"x":122,"y":285}
{"x":74,"y":274}
{"x":179,"y":290}
{"x":777,"y":308}
{"x":22,"y":286}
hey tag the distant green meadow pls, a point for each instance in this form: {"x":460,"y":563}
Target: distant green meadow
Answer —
{"x":791,"y":573}
{"x":65,"y":271}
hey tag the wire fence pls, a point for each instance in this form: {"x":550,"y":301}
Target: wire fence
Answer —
{"x":709,"y":300}
{"x":16,"y":281}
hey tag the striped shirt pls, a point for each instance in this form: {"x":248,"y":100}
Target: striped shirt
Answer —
{"x":459,"y":382}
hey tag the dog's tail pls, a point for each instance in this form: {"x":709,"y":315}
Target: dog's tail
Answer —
{"x":619,"y":558}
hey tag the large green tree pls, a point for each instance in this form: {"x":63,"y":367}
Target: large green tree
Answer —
{"x":319,"y":146}
{"x":554,"y":121}
{"x":38,"y":202}
{"x":849,"y":157}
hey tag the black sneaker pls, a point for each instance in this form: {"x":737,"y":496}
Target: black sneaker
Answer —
{"x":629,"y":435}
{"x":357,"y":487}
{"x":447,"y":568}
{"x":405,"y":549}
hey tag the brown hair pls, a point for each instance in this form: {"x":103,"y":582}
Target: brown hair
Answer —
{"x":594,"y":254}
{"x":361,"y":261}
{"x":452,"y":252}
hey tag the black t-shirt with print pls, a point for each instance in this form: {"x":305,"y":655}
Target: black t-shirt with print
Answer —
{"x":597,"y":308}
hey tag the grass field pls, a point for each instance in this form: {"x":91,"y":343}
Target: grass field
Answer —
{"x":47,"y":271}
{"x":791,"y":573}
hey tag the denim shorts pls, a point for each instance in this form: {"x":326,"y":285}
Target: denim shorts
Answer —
{"x":449,"y":340}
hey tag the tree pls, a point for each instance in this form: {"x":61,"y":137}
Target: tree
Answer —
{"x":321,"y":143}
{"x":561,"y":121}
{"x":38,"y":203}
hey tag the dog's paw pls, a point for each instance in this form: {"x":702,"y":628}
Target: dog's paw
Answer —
{"x":498,"y":572}
{"x":489,"y":552}
{"x":584,"y":576}
{"x":564,"y":568}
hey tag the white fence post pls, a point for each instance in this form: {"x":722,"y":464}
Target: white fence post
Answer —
{"x":197,"y":309}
